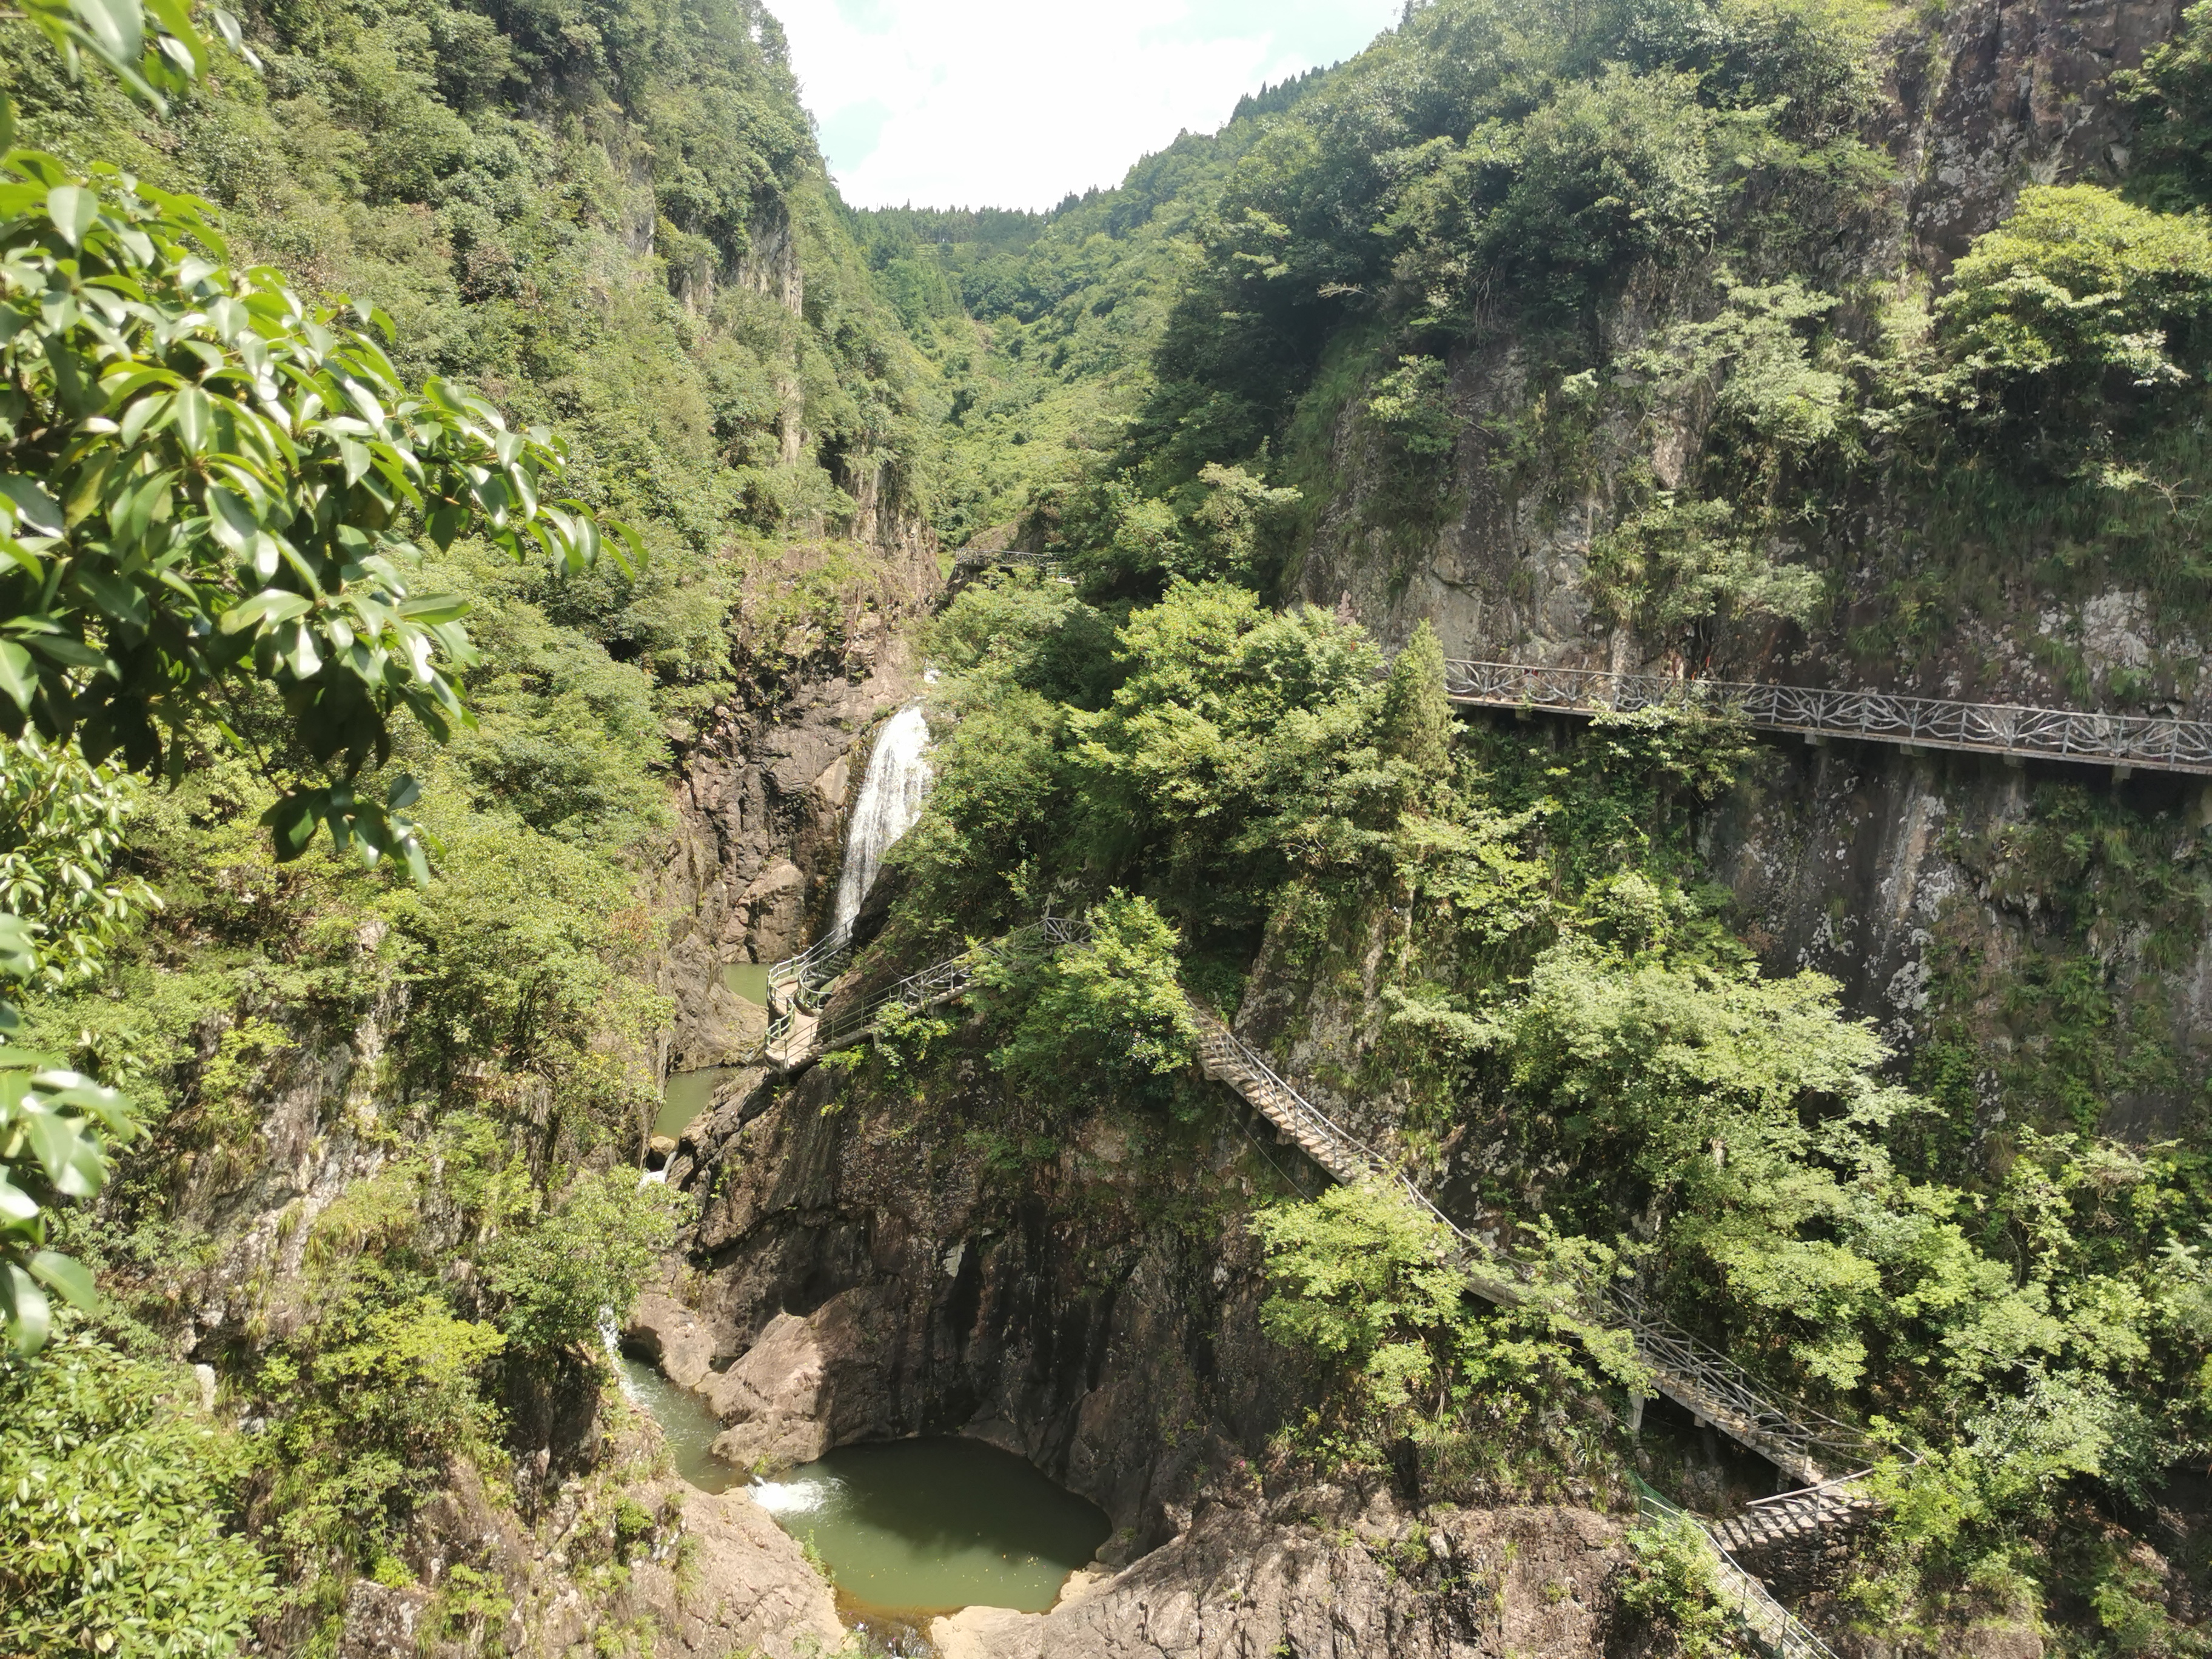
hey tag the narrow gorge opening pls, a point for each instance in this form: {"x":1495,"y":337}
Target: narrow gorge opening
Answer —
{"x":906,"y":1530}
{"x":890,"y":798}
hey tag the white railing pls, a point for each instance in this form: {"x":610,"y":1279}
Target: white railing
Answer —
{"x":803,"y":977}
{"x":2153,"y":742}
{"x":930,"y":987}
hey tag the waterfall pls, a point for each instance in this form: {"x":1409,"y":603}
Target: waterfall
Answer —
{"x":892,"y":793}
{"x":612,"y":1339}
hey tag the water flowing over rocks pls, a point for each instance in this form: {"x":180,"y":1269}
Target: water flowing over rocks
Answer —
{"x":889,"y":800}
{"x":762,"y":808}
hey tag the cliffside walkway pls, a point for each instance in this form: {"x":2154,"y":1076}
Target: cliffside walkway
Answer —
{"x":1687,"y":1370}
{"x":2125,"y":741}
{"x":806,"y":1029}
{"x":1776,"y":1629}
{"x":1696,"y":1376}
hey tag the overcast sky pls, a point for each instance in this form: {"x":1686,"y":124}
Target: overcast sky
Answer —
{"x":1014,"y":103}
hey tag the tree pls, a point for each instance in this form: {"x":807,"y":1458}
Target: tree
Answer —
{"x":210,"y":495}
{"x":61,"y":827}
{"x":111,"y":1490}
{"x":2077,"y":289}
{"x":584,"y":1262}
{"x":1417,"y":721}
{"x":1376,"y":1287}
{"x":1113,"y":1000}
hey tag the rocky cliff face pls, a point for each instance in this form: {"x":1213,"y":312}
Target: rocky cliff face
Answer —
{"x":1912,"y":880}
{"x":1993,"y":95}
{"x":869,"y":1265}
{"x":764,"y":799}
{"x":1318,"y":1574}
{"x":630,"y":1549}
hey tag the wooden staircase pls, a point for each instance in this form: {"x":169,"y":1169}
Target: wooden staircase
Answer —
{"x":1713,"y":1388}
{"x":1790,"y":1517}
{"x":1700,"y":1377}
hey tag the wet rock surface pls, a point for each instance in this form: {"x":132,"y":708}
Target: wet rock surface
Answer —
{"x":880,"y":1279}
{"x":762,"y":805}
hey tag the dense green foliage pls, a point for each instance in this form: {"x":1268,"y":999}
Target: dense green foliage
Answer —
{"x":1368,"y":1280}
{"x":111,"y":1489}
{"x":1525,"y":250}
{"x":197,"y":513}
{"x":255,"y":542}
{"x":1518,"y":936}
{"x":561,"y":1277}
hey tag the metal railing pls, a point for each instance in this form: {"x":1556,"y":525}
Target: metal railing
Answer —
{"x":2154,"y":742}
{"x":929,"y":988}
{"x":1812,"y":1436}
{"x":1773,"y":1626}
{"x":814,"y":969}
{"x":1689,"y":1370}
{"x":1294,"y":1109}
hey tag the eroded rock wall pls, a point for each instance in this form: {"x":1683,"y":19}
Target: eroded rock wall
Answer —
{"x":761,"y":804}
{"x":870,"y":1267}
{"x":1987,"y":97}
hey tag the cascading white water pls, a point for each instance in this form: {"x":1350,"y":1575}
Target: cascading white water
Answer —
{"x":892,"y":793}
{"x":612,"y":1339}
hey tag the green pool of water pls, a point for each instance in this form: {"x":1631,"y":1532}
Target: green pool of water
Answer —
{"x":684,"y":1420}
{"x":916,"y":1527}
{"x":748,"y":980}
{"x":689,"y":1093}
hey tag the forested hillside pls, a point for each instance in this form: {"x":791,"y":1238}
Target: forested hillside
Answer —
{"x":365,"y":1102}
{"x":1671,"y":337}
{"x":1790,"y":339}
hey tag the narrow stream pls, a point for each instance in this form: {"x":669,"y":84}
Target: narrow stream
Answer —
{"x":685,"y":1421}
{"x":908,"y":1529}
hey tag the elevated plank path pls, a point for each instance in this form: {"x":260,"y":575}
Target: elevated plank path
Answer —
{"x":1695,"y":1375}
{"x":2149,"y":743}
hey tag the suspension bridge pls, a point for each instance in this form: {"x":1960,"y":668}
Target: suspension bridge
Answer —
{"x":2012,"y":731}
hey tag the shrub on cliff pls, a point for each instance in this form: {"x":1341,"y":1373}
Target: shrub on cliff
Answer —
{"x":1114,"y":1001}
{"x":114,"y":1495}
{"x":583,"y":1262}
{"x":2078,"y":302}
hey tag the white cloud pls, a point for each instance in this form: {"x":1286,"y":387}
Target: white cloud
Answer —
{"x":976,"y":103}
